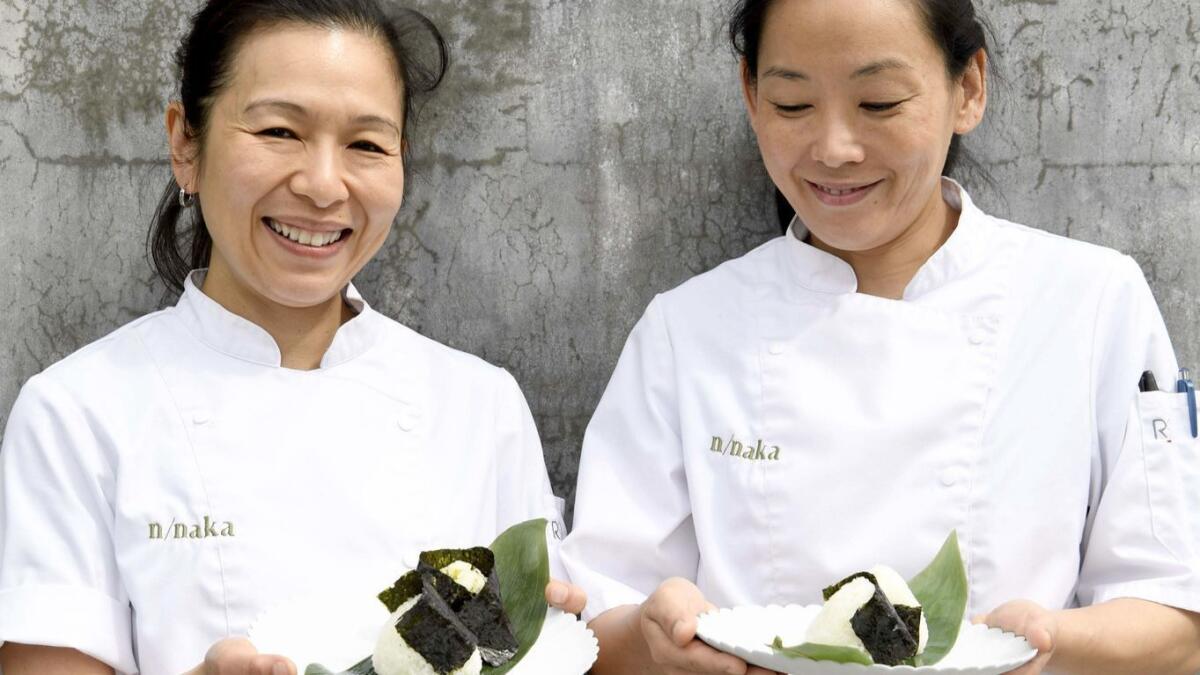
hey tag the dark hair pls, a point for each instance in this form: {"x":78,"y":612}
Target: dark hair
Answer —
{"x":958,"y":31}
{"x":205,"y":62}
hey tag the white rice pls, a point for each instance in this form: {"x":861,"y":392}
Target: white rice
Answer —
{"x":832,"y":625}
{"x":393,"y":656}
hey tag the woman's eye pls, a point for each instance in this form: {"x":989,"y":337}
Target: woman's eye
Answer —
{"x":792,"y":109}
{"x":880,"y":107}
{"x":367,"y":146}
{"x":277,"y":132}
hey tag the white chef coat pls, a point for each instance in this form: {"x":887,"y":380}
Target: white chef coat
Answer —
{"x":768,"y":430}
{"x":163,"y":486}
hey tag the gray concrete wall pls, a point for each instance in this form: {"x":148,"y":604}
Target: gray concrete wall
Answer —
{"x":582,"y":156}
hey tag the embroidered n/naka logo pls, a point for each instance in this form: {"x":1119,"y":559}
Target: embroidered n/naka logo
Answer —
{"x":208,"y":529}
{"x":731,"y":447}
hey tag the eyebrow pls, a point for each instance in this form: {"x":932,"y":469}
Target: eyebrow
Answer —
{"x":297,"y":109}
{"x":866,"y":71}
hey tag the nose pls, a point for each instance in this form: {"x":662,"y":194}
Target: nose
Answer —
{"x":836,"y":142}
{"x":321,"y":179}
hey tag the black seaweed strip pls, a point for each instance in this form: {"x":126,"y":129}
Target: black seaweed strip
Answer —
{"x":484,"y":616}
{"x":829,"y":591}
{"x":406,"y":588}
{"x":479,"y":557}
{"x":911,"y":617}
{"x":883,"y":633}
{"x":435,"y":632}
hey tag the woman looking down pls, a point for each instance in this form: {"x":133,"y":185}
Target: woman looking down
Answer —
{"x":898,"y":366}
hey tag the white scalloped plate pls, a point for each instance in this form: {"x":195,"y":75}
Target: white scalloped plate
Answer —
{"x":338,"y":628}
{"x":746,"y":632}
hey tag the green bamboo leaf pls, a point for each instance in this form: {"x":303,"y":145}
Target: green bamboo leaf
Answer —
{"x":523,"y":565}
{"x":941,"y":588}
{"x":817,"y":652}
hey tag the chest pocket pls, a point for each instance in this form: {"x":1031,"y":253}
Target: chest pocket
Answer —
{"x":1172,"y":463}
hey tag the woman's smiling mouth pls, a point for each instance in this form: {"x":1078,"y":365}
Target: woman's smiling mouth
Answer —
{"x":308,"y":242}
{"x":841,"y":195}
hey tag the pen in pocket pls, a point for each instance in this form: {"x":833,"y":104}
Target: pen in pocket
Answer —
{"x":1147,"y":383}
{"x":1186,"y":387}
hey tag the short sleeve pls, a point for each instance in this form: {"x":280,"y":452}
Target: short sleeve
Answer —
{"x":59,"y":584}
{"x":524,"y":490}
{"x":1142,"y":539}
{"x":633,"y":521}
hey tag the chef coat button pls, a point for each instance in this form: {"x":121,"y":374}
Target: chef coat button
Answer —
{"x":775,"y":348}
{"x":200,"y":418}
{"x":407,"y":423}
{"x":977,"y":337}
{"x":950,"y":477}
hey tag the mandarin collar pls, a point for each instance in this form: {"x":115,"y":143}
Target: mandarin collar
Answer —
{"x":823,"y":272}
{"x":232,"y":335}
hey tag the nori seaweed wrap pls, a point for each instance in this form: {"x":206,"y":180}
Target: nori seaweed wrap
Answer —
{"x":435,"y":632}
{"x":889,"y":633}
{"x":482,"y":612}
{"x":449,"y":621}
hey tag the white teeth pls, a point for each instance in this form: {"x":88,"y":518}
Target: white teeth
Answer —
{"x":837,"y":193}
{"x":304,"y":237}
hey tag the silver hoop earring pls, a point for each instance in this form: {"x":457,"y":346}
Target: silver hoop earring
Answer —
{"x":186,"y":200}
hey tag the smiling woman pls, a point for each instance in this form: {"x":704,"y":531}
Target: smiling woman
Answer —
{"x":921,"y":367}
{"x":270,"y":433}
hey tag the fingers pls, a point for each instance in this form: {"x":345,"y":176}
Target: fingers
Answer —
{"x":237,"y":656}
{"x":673,"y":609}
{"x":266,"y":664}
{"x":567,"y":597}
{"x":668,"y":623}
{"x":694,"y":657}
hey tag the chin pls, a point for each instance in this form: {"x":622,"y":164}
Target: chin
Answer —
{"x":303,"y":293}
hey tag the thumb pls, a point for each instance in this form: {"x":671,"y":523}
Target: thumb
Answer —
{"x":227,"y":652}
{"x":238,"y":656}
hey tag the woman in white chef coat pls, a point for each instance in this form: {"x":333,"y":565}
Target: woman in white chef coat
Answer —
{"x":898,"y":366}
{"x":271,"y":433}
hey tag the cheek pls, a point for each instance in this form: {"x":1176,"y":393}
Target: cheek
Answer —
{"x":781,"y":143}
{"x":381,"y":195}
{"x":243,"y":175}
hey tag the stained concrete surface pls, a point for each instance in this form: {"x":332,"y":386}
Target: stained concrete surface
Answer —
{"x":582,"y":156}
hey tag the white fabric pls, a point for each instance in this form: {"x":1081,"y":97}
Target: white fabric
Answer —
{"x":993,"y":400}
{"x":163,"y":486}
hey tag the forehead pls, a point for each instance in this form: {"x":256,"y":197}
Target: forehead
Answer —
{"x":846,"y":34}
{"x":329,"y":70}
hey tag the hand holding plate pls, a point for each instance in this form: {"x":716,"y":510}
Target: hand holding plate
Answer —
{"x":1034,"y":622}
{"x":667,"y":621}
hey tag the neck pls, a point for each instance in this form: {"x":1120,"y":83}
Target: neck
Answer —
{"x":885,"y":271}
{"x":303,"y":334}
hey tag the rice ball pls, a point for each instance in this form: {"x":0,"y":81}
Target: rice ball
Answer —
{"x":394,"y":656}
{"x":832,"y":625}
